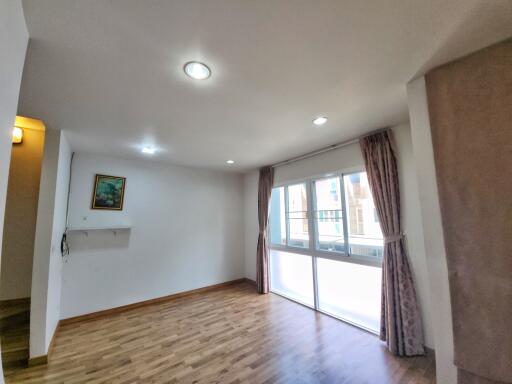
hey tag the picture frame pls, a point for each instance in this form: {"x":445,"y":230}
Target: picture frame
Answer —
{"x":108,"y":192}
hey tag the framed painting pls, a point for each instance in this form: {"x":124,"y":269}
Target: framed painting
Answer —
{"x":108,"y":192}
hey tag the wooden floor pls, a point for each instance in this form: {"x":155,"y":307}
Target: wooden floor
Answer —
{"x":14,"y":332}
{"x":231,"y":335}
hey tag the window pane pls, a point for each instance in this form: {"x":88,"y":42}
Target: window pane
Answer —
{"x":365,"y":236}
{"x":328,"y":215}
{"x":277,"y":217}
{"x":298,"y":216}
{"x":350,"y":291}
{"x":291,"y":275}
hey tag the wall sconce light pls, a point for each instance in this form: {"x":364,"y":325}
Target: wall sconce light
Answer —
{"x":17,"y":135}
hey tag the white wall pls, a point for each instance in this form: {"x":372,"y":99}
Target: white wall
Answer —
{"x":13,"y":47}
{"x":50,"y":225}
{"x":432,"y":230}
{"x":187,"y":233}
{"x":349,"y":158}
{"x":251,"y":226}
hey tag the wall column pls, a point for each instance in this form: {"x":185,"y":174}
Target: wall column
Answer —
{"x":433,"y":231}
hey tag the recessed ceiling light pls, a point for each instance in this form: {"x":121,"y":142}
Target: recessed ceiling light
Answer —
{"x":230,"y":161}
{"x":197,"y":70}
{"x":320,"y":120}
{"x":148,"y":150}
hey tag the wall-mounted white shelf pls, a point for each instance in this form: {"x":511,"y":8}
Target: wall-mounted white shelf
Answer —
{"x":113,"y":228}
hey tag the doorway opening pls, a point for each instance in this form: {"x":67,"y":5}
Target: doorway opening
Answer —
{"x":18,"y":239}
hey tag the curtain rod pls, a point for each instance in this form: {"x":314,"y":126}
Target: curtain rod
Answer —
{"x":326,"y":149}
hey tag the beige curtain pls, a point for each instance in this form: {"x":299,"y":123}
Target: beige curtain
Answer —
{"x":264,"y":191}
{"x":401,"y":326}
{"x":470,"y":110}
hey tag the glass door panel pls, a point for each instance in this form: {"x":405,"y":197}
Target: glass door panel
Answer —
{"x":292,"y":276}
{"x":329,"y":215}
{"x":364,"y":233}
{"x":350,"y":291}
{"x":297,"y":211}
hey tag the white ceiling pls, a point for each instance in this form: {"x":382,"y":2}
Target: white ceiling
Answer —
{"x":110,"y":71}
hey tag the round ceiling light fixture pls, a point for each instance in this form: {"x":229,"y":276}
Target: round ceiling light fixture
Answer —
{"x":197,"y":70}
{"x":230,"y":161}
{"x":148,"y":150}
{"x":320,"y":120}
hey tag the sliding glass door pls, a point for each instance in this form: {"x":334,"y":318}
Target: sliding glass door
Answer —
{"x":350,"y":291}
{"x":292,"y":276}
{"x":326,"y":247}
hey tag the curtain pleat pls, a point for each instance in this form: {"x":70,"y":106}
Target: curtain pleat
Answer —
{"x":262,"y":256}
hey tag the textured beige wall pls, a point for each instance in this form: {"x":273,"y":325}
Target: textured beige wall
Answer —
{"x":20,"y":216}
{"x":470,"y":107}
